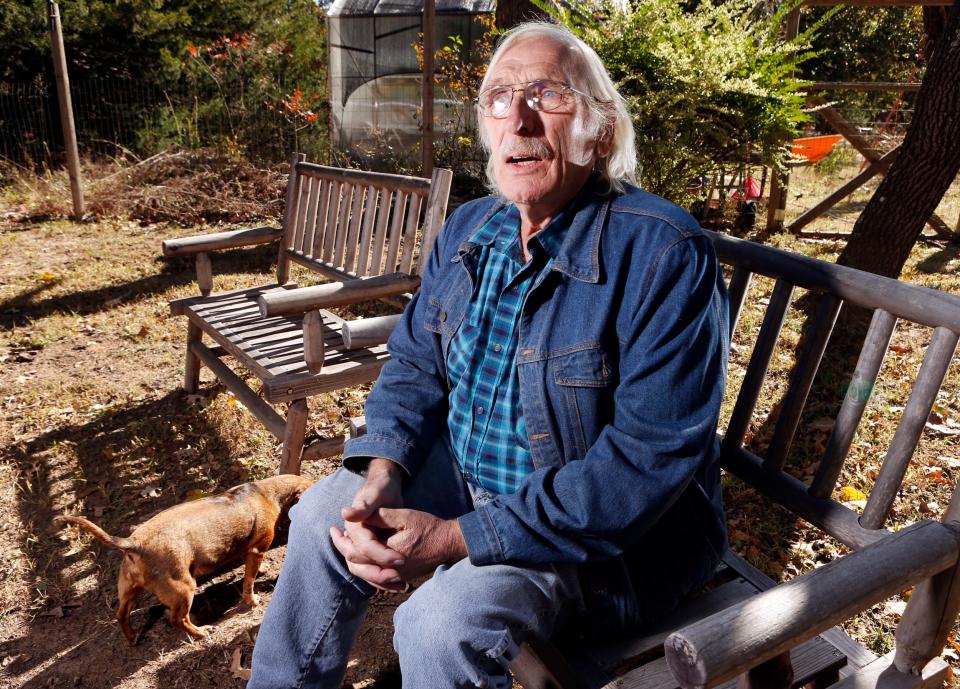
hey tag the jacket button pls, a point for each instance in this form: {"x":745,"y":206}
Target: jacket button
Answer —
{"x":443,"y":316}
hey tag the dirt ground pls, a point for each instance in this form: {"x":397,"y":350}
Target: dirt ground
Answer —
{"x":93,"y":422}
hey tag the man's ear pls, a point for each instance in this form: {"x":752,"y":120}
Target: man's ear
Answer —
{"x":605,"y":142}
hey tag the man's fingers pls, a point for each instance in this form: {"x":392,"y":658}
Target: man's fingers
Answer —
{"x":385,"y":579}
{"x":361,"y":546}
{"x":356,"y":513}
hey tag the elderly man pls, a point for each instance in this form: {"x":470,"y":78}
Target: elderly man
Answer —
{"x":542,"y":441}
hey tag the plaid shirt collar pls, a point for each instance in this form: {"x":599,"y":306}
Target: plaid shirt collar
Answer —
{"x":502,"y":233}
{"x":578,"y":236}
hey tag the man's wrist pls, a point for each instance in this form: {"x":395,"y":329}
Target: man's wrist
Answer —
{"x":381,"y":466}
{"x":456,"y":544}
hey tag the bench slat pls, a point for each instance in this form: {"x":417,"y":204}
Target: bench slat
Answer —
{"x":409,"y":238}
{"x":356,"y":216}
{"x":396,"y":231}
{"x":309,"y":246}
{"x":815,"y":344}
{"x":310,"y":222}
{"x":304,"y":198}
{"x":387,"y":206}
{"x":343,"y":220}
{"x":737,"y":292}
{"x":374,"y":205}
{"x":915,"y":415}
{"x":854,"y":403}
{"x":880,"y":674}
{"x":323,"y":246}
{"x":759,"y":361}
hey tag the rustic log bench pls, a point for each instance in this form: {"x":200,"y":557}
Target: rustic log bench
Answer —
{"x":369,"y":231}
{"x":746,"y":628}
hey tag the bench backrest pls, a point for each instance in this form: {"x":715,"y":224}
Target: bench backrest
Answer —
{"x":348,"y":224}
{"x":889,"y":300}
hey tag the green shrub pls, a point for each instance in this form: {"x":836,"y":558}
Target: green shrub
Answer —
{"x":706,"y":85}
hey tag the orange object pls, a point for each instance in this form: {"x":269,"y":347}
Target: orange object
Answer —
{"x":814,"y":148}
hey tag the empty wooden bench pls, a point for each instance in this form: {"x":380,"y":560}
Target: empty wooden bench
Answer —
{"x":745,"y":627}
{"x":371,"y":232}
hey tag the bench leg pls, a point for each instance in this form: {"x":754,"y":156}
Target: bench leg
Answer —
{"x":776,"y":673}
{"x":191,"y":377}
{"x":541,"y":666}
{"x":293,"y":436}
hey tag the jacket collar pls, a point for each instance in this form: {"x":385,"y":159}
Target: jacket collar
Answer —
{"x":579,"y":253}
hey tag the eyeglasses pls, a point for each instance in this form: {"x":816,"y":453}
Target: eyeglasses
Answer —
{"x":542,"y":95}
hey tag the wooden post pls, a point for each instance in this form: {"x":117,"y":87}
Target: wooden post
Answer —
{"x":931,"y":611}
{"x":66,"y":108}
{"x":427,"y":98}
{"x":780,"y":181}
{"x":293,"y":437}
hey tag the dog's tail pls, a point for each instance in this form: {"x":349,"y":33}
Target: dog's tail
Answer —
{"x":101,"y":535}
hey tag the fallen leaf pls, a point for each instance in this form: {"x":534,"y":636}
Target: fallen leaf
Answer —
{"x":48,"y":277}
{"x":150,"y":492}
{"x":235,"y":669}
{"x":824,"y":424}
{"x":849,"y":493}
{"x":53,"y":612}
{"x":942,"y":428}
{"x":895,"y":607}
{"x":196,"y":494}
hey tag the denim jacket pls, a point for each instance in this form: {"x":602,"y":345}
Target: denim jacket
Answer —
{"x":622,"y":361}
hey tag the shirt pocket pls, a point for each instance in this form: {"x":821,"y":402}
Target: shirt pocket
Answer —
{"x":581,"y":380}
{"x":435,"y":316}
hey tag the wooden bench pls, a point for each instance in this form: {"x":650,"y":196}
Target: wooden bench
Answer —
{"x":369,"y":231}
{"x":746,"y":628}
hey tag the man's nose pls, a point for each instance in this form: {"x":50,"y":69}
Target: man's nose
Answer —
{"x":521,"y":118}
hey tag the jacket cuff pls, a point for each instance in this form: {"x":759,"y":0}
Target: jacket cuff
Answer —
{"x":480,"y":535}
{"x":358,"y":452}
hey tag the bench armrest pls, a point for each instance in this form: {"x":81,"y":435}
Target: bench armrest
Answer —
{"x":732,"y":641}
{"x":184,"y":246}
{"x":325,"y":296}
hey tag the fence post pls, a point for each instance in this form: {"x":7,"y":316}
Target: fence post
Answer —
{"x":66,"y":108}
{"x":427,"y":97}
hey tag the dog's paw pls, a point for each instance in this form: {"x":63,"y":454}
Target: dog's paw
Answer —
{"x":253,"y":600}
{"x":199,"y":632}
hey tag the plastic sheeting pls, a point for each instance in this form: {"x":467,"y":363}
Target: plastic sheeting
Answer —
{"x":364,"y":8}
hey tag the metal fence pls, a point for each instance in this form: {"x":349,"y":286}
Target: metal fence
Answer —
{"x":115,"y":116}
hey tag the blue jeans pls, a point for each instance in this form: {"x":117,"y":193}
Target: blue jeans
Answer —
{"x":461,"y":628}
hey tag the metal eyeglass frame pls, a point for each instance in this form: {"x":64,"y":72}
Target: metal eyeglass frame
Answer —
{"x":531,"y":103}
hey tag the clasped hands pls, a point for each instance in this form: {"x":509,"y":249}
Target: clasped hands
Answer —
{"x":386,"y":545}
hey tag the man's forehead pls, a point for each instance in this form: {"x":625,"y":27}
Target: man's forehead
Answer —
{"x":517,"y":71}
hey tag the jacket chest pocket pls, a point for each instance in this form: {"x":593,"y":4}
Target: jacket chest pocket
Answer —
{"x":582,"y":387}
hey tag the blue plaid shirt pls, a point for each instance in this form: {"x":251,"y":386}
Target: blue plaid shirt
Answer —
{"x":485,"y":420}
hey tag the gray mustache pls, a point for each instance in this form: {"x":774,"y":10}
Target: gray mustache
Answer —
{"x":526,"y":147}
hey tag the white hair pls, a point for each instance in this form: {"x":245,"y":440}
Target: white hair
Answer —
{"x":606,"y":111}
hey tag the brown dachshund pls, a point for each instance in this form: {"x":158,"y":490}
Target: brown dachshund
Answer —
{"x":169,"y":551}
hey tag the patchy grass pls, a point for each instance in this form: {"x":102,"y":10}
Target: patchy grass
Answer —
{"x":93,"y":421}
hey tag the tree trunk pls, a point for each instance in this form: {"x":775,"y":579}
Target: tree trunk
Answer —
{"x":892,"y":221}
{"x":513,"y":12}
